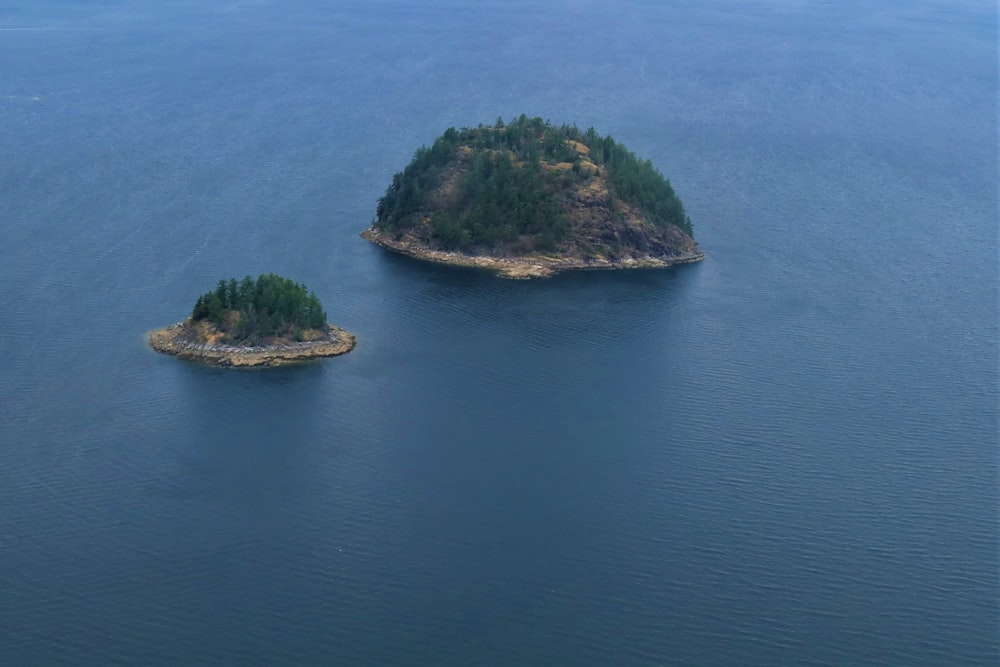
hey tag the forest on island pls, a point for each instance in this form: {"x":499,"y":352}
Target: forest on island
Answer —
{"x":509,"y":186}
{"x":249,"y":310}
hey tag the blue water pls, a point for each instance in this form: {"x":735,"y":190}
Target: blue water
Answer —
{"x":786,"y":454}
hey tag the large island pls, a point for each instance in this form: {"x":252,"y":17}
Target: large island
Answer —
{"x":529,"y":199}
{"x":269,"y":321}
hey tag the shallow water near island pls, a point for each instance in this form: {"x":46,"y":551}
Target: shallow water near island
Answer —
{"x":786,"y":453}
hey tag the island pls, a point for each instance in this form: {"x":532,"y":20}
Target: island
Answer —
{"x":269,"y":321}
{"x":529,"y":199}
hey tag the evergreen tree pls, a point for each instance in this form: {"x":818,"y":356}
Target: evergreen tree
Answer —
{"x":251,"y":310}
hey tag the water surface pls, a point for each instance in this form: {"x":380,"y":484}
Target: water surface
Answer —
{"x":784,"y":454}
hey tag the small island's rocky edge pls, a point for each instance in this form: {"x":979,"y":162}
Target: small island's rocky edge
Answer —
{"x":182,"y":340}
{"x":523,"y":267}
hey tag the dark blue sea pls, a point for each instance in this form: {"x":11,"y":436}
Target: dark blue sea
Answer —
{"x":786,"y":454}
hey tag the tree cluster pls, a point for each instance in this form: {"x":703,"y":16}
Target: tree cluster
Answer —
{"x":504,"y":193}
{"x":497,"y":202}
{"x":638,"y":182}
{"x":250,"y":310}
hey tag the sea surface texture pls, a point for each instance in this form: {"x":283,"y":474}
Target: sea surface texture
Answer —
{"x":786,"y":454}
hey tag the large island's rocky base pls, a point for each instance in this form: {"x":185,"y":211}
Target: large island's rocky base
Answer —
{"x":528,"y":266}
{"x":184,"y":341}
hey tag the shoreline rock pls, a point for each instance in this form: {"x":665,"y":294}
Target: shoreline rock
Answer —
{"x":525,"y":267}
{"x":180,"y":340}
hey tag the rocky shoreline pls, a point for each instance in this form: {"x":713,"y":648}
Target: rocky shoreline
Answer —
{"x":182,"y":341}
{"x":533,"y":266}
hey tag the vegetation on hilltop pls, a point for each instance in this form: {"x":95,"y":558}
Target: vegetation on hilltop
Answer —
{"x":530,"y":186}
{"x":248,"y":311}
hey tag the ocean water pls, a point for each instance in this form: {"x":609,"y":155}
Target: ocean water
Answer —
{"x":786,"y":454}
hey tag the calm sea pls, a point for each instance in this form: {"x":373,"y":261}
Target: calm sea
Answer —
{"x":786,"y":454}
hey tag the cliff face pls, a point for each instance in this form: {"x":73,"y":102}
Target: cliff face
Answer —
{"x":543,"y":197}
{"x":603,"y":225}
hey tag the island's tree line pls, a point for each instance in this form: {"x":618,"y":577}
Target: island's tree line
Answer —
{"x":250,"y":310}
{"x":498,"y":202}
{"x":511,"y":190}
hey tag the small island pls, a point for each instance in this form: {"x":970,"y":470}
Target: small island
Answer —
{"x":269,"y":321}
{"x":529,"y":199}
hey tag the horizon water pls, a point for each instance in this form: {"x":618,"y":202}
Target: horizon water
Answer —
{"x":784,"y":454}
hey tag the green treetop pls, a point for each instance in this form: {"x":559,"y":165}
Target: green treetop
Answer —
{"x":250,"y":310}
